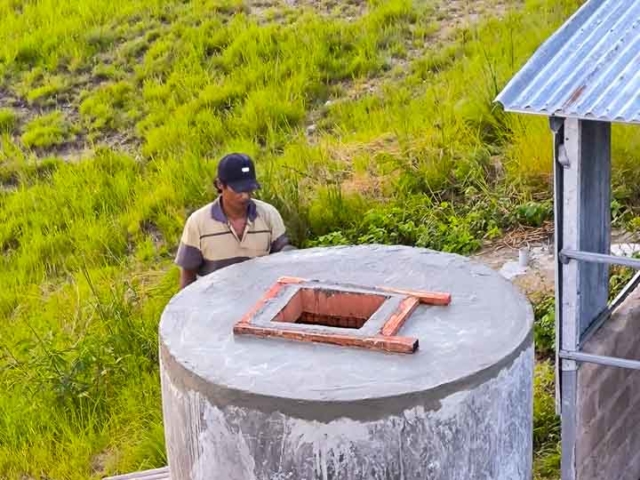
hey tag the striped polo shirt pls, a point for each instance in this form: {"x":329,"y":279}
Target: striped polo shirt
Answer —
{"x":209,"y":243}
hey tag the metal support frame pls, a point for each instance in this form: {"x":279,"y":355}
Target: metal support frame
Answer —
{"x":601,"y":258}
{"x":557,"y":126}
{"x":604,"y":316}
{"x":582,"y":220}
{"x":582,"y":190}
{"x":601,"y":360}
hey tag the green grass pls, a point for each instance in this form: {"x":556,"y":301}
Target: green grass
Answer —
{"x":49,"y":130}
{"x":546,"y":425}
{"x":110,"y":107}
{"x":407,"y":148}
{"x":8,"y":120}
{"x":47,"y":90}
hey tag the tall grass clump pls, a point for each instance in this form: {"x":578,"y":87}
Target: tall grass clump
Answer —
{"x":46,"y":131}
{"x":8,"y":121}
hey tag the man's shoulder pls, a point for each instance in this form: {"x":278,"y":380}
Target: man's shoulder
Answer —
{"x":202,"y":213}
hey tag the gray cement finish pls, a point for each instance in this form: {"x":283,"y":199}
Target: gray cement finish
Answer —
{"x":486,"y":327}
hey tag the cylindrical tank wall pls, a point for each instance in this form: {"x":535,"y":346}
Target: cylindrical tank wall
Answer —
{"x":484,"y":432}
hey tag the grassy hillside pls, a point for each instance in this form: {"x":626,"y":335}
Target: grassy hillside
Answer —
{"x":370,"y":122}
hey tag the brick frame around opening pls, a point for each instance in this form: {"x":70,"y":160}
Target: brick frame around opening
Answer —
{"x":339,"y":304}
{"x":330,"y":308}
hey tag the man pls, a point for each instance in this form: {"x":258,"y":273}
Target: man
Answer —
{"x":231,"y":229}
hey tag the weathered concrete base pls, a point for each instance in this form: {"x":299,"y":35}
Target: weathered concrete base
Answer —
{"x":608,"y":414}
{"x":483,"y":433}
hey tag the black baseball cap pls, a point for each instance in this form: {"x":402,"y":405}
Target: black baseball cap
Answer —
{"x":238,"y":171}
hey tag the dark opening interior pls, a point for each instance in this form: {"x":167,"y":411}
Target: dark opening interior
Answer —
{"x":330,"y":308}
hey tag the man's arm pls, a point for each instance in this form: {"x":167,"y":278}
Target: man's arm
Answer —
{"x":189,"y":257}
{"x":281,"y":244}
{"x":187,"y":277}
{"x":279,"y":234}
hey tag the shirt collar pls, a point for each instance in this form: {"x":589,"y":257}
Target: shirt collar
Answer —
{"x":217,"y":213}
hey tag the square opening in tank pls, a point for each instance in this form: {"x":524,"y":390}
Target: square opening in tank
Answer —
{"x":330,"y":308}
{"x":332,"y":313}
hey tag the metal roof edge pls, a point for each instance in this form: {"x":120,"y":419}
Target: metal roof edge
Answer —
{"x":550,"y":44}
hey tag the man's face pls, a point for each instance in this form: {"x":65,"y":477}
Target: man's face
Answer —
{"x":235,"y":200}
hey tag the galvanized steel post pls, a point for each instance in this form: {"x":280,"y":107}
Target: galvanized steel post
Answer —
{"x":583,"y":193}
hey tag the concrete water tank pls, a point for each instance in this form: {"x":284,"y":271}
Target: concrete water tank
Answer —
{"x":343,"y":376}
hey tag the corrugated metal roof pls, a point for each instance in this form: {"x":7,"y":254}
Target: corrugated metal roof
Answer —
{"x":589,"y":68}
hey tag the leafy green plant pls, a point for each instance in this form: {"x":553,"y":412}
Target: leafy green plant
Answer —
{"x":420,"y":222}
{"x":544,"y":327}
{"x":619,"y":277}
{"x":534,"y":213}
{"x":329,"y":240}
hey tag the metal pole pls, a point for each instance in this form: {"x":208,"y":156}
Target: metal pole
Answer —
{"x":568,"y":184}
{"x":601,"y":360}
{"x":584,"y":160}
{"x":557,"y":126}
{"x":567,"y":254}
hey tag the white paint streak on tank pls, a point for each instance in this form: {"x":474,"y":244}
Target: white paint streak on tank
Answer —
{"x":222,"y":449}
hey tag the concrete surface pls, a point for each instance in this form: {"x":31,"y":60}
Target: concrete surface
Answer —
{"x":250,"y":408}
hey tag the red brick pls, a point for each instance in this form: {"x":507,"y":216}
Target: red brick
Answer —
{"x":271,"y":293}
{"x":395,"y":322}
{"x":428,"y":298}
{"x":386,"y":344}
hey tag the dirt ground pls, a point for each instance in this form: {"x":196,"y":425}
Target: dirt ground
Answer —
{"x":538,"y":277}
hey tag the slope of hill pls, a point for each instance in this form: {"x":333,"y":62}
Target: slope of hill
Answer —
{"x":370,"y":122}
